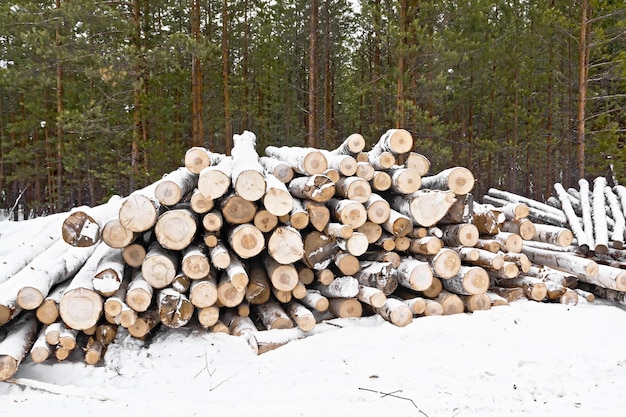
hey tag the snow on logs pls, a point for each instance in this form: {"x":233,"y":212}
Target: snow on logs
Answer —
{"x":284,"y":240}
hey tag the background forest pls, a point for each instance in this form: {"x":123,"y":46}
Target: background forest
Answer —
{"x":103,"y":97}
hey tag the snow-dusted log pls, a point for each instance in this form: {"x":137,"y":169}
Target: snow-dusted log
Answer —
{"x":554,"y":235}
{"x":617,"y":235}
{"x":109,"y":272}
{"x":608,"y":277}
{"x":139,"y":292}
{"x":380,"y":275}
{"x":600,"y":228}
{"x":280,"y":169}
{"x":523,"y":227}
{"x":450,"y":303}
{"x":396,"y":141}
{"x":404,"y":180}
{"x":316,"y":187}
{"x":285,"y":245}
{"x":198,"y":158}
{"x":300,"y":315}
{"x":445,"y":264}
{"x":247,"y":177}
{"x":175,"y":229}
{"x":340,"y":287}
{"x":580,"y":267}
{"x":277,"y":199}
{"x":306,"y":161}
{"x":459,"y":180}
{"x":175,"y":309}
{"x":462,"y":234}
{"x":117,"y":236}
{"x":424,"y":207}
{"x":587,"y":219}
{"x":273,"y":316}
{"x":140,"y":210}
{"x":414,"y":274}
{"x":476,"y":302}
{"x":582,"y":237}
{"x":214,"y":181}
{"x":487,"y":218}
{"x":173,"y":187}
{"x":41,"y":350}
{"x":160,"y":266}
{"x":382,"y":160}
{"x":380,"y":181}
{"x":48,"y":310}
{"x":345,"y":165}
{"x":427,"y":245}
{"x":470,"y":280}
{"x":14,"y":348}
{"x":353,"y":188}
{"x":203,"y":292}
{"x":199,"y":203}
{"x":352,"y":145}
{"x":397,"y":223}
{"x":533,"y":288}
{"x":348,"y":212}
{"x":83,"y":226}
{"x":395,"y":312}
{"x":195,"y":263}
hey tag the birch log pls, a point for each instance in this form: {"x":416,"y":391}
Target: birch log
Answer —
{"x":83,"y":226}
{"x":352,"y":145}
{"x":317,"y":187}
{"x":424,"y":207}
{"x":247,"y":177}
{"x":279,"y":169}
{"x":617,"y":235}
{"x":174,"y":186}
{"x":277,"y":199}
{"x":459,"y":180}
{"x":17,"y":344}
{"x":600,"y":227}
{"x":306,"y":161}
{"x":214,"y":181}
{"x":198,"y":158}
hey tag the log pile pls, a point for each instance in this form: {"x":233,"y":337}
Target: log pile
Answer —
{"x":245,"y":242}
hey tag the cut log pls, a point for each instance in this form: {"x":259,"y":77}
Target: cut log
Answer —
{"x":380,"y":275}
{"x":366,"y":171}
{"x":83,"y":226}
{"x":277,"y":199}
{"x":345,"y":307}
{"x":259,"y":288}
{"x":213,"y":221}
{"x":340,"y":287}
{"x":338,"y":230}
{"x":246,"y":240}
{"x":109,"y":273}
{"x":523,"y":227}
{"x":618,"y":297}
{"x":282,"y":277}
{"x":345,"y":165}
{"x":416,"y":304}
{"x":175,"y":310}
{"x":372,"y":232}
{"x":414,"y":274}
{"x":464,"y":234}
{"x":134,"y":254}
{"x":203,"y":293}
{"x":219,"y":256}
{"x":285,"y":245}
{"x":514,"y":198}
{"x":318,"y":214}
{"x":617,"y":235}
{"x":175,"y":229}
{"x":139,"y":212}
{"x":16,"y":345}
{"x":299,"y":217}
{"x":470,"y":280}
{"x":508,"y":270}
{"x":181,"y":283}
{"x":519,"y":259}
{"x":509,"y":242}
{"x":316,"y":187}
{"x":314,"y":300}
{"x":160,"y":266}
{"x":333,"y":174}
{"x":428,"y":245}
{"x":273,"y":316}
{"x":397,"y":224}
{"x":199,"y":203}
{"x":208,"y":316}
{"x":459,"y":180}
{"x":139,"y":293}
{"x":468,"y":254}
{"x":490,"y":245}
{"x":509,"y":294}
{"x":319,"y":250}
{"x":608,"y":277}
{"x":237,"y":210}
{"x":236,"y":275}
{"x":381,"y":180}
{"x":300,"y":315}
{"x":306,"y":161}
{"x":496,"y":300}
{"x":476,"y":302}
{"x":382,"y":160}
{"x":247,"y":177}
{"x":280,"y":169}
{"x":48,"y":311}
{"x":424,"y":207}
{"x":583,"y":268}
{"x":395,"y":312}
{"x":324,"y":276}
{"x":352,"y":145}
{"x":299,"y":291}
{"x":450,"y":303}
{"x":581,"y":235}
{"x":435,"y":288}
{"x":40,"y":350}
{"x":214,"y":181}
{"x":600,"y":228}
{"x":117,"y":236}
{"x":460,"y":211}
{"x":485,"y":259}
{"x":553,"y":235}
{"x":445,"y":264}
{"x":353,"y":188}
{"x":144,"y":324}
{"x":533,"y":288}
{"x":371,"y":296}
{"x":349,"y":212}
{"x":404,"y":180}
{"x":396,"y":141}
{"x":378,"y":209}
{"x":195,"y":263}
{"x":357,"y":244}
{"x":197,"y":158}
{"x":417,"y":162}
{"x":174,"y":186}
{"x":305,"y":274}
{"x":433,"y":308}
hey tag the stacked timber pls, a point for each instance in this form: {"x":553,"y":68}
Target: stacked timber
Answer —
{"x":245,"y":242}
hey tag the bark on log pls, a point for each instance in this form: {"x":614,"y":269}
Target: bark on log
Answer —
{"x":460,"y":212}
{"x":382,"y":160}
{"x":300,"y":315}
{"x":109,"y":273}
{"x":16,"y":345}
{"x":273,"y":316}
{"x":214,"y":181}
{"x":173,"y":187}
{"x":600,"y":228}
{"x":117,"y":236}
{"x":259,"y":287}
{"x":476,"y":302}
{"x":175,"y":310}
{"x":435,"y":288}
{"x":175,"y":229}
{"x":553,"y":235}
{"x":380,"y":275}
{"x":583,"y":268}
{"x":139,"y":212}
{"x":349,"y":212}
{"x":618,"y":297}
{"x":315,"y":300}
{"x":338,"y":230}
{"x":199,"y":203}
{"x":496,"y":300}
{"x":145,"y":323}
{"x":318,"y":188}
{"x":319,"y":250}
{"x":371,"y":296}
{"x":489,"y":244}
{"x":83,"y":226}
{"x":353,"y":188}
{"x":378,"y":209}
{"x":340,"y":287}
{"x":237,"y":210}
{"x":445,"y":264}
{"x":608,"y":277}
{"x":617,"y":235}
{"x":352,"y":145}
{"x":277,"y":199}
{"x":203,"y":292}
{"x":533,"y":288}
{"x":416,"y":161}
{"x":195,"y":263}
{"x":395,"y":312}
{"x":428,"y":245}
{"x":470,"y":280}
{"x":414,"y":274}
{"x":41,"y":350}
{"x":280,"y":169}
{"x":282,"y":277}
{"x":509,"y":294}
{"x":485,"y":258}
{"x":523,"y":227}
{"x":509,"y":242}
{"x":424,"y":207}
{"x":345,"y":165}
{"x":198,"y":158}
{"x":404,"y":180}
{"x":247,"y":177}
{"x":397,"y":224}
{"x":372,"y":231}
{"x":160,"y":266}
{"x":459,"y":180}
{"x":396,"y":141}
{"x":236,"y":275}
{"x":306,"y":161}
{"x":380,"y":181}
{"x":345,"y":307}
{"x":213,"y":221}
{"x":139,"y":293}
{"x":464,"y":234}
{"x":367,"y":172}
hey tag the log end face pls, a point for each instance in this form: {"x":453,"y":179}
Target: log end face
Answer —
{"x":315,"y":163}
{"x":213,"y":184}
{"x":461,"y":181}
{"x":29,"y":298}
{"x":355,"y":143}
{"x":138,"y":213}
{"x":81,"y":308}
{"x":401,"y":141}
{"x":250,"y":185}
{"x":80,"y":229}
{"x":196,"y":159}
{"x":8,"y":367}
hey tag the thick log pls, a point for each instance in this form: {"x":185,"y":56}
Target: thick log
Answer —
{"x":237,"y":210}
{"x":198,"y":158}
{"x":382,"y":160}
{"x":428,"y":245}
{"x":372,"y":231}
{"x":380,"y":181}
{"x":523,"y":227}
{"x":396,"y":141}
{"x":109,"y":273}
{"x":416,"y":161}
{"x":140,"y":211}
{"x":509,"y":242}
{"x":279,"y":169}
{"x":208,"y":316}
{"x":460,"y":211}
{"x":424,"y":207}
{"x":618,"y":297}
{"x":324,"y":276}
{"x":16,"y":345}
{"x":345,"y":165}
{"x":450,"y":303}
{"x":340,"y":287}
{"x":213,"y":221}
{"x":583,"y":268}
{"x":117,"y":236}
{"x":445,"y":264}
{"x":404,"y":180}
{"x":380,"y":275}
{"x":319,"y":188}
{"x":371,"y":296}
{"x":306,"y":161}
{"x":203,"y":292}
{"x":277,"y":199}
{"x":139,"y":293}
{"x":600,"y":228}
{"x":366,"y":171}
{"x":378,"y":209}
{"x":395,"y":312}
{"x":619,"y":228}
{"x":160,"y":266}
{"x":175,"y":310}
{"x":195,"y":263}
{"x":414,"y":274}
{"x":508,"y":270}
{"x":397,"y":224}
{"x":214,"y":181}
{"x":432,"y":308}
{"x":345,"y":307}
{"x":318,"y":214}
{"x":319,"y":250}
{"x":246,"y":240}
{"x":357,"y":244}
{"x":282,"y":277}
{"x":199,"y":203}
{"x":353,"y":188}
{"x":608,"y":277}
{"x":459,"y":180}
{"x":487,"y":218}
{"x":476,"y":302}
{"x":463,"y":234}
{"x":533,"y":288}
{"x":174,"y":186}
{"x":470,"y":280}
{"x":519,"y":259}
{"x":48,"y":310}
{"x":83,"y":226}
{"x":352,"y":145}
{"x":285,"y":245}
{"x":582,"y":235}
{"x":435,"y":288}
{"x":349,"y":212}
{"x":134,"y":254}
{"x":247,"y":177}
{"x":175,"y":229}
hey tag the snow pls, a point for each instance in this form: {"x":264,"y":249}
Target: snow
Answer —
{"x":524,"y":359}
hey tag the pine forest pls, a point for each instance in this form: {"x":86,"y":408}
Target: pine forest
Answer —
{"x":102,"y":97}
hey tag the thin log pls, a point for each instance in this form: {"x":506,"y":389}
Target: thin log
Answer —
{"x":397,"y":224}
{"x":345,"y":165}
{"x":371,"y":230}
{"x":48,"y":311}
{"x":352,"y":145}
{"x":213,"y":221}
{"x":533,"y":288}
{"x":279,"y":169}
{"x":463,"y":234}
{"x":40,"y":350}
{"x":583,"y":268}
{"x":600,"y":228}
{"x":259,"y":287}
{"x":315,"y":300}
{"x":395,"y":312}
{"x":608,"y":277}
{"x":414,"y":274}
{"x":509,"y":242}
{"x":248,"y":176}
{"x":208,"y":316}
{"x":396,"y":141}
{"x":524,"y":228}
{"x":306,"y":161}
{"x":319,"y":250}
{"x":340,"y":287}
{"x":174,"y":186}
{"x":199,"y":203}
{"x":145,"y":323}
{"x":299,"y":217}
{"x":433,"y":308}
{"x":435,"y":288}
{"x":139,"y":293}
{"x":617,"y":235}
{"x":203,"y":292}
{"x":195,"y":263}
{"x":117,"y":236}
{"x":197,"y":158}
{"x":134,"y":254}
{"x":246,"y":240}
{"x":277,"y":199}
{"x":366,"y":171}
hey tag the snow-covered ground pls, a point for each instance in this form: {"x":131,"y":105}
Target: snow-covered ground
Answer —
{"x":528,"y":358}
